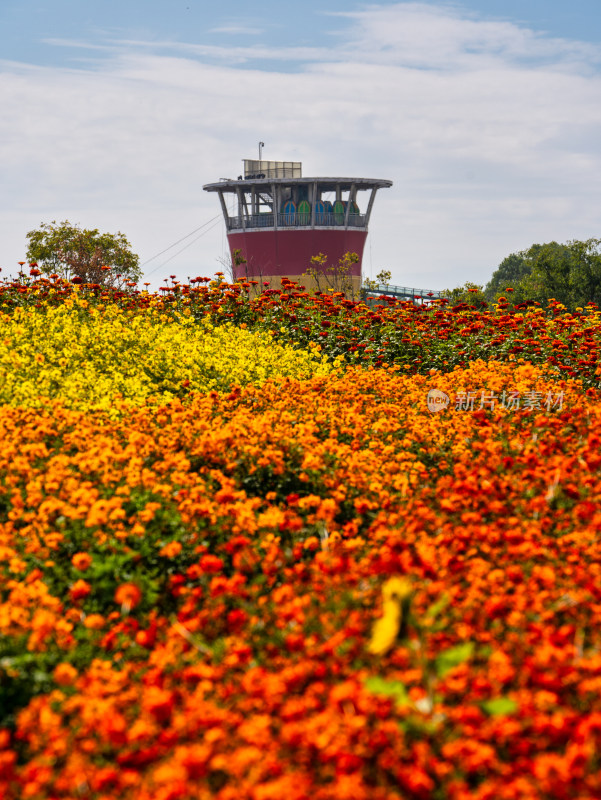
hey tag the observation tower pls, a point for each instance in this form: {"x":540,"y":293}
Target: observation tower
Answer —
{"x":279,"y":220}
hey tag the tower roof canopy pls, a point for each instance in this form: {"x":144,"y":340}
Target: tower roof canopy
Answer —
{"x":325,"y":184}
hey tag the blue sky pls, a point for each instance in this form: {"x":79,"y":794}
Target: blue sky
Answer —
{"x":29,"y":25}
{"x":485,"y":114}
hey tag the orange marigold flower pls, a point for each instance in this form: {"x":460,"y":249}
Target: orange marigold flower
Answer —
{"x":64,"y":674}
{"x":81,"y":561}
{"x":158,"y":702}
{"x":171,"y":550}
{"x":128,"y":595}
{"x":94,"y":622}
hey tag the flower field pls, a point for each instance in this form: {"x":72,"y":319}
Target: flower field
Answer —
{"x":241,"y":558}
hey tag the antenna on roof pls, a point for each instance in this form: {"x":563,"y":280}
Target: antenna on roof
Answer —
{"x":261,"y":146}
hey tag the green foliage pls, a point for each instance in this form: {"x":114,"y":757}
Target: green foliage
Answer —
{"x":70,"y":251}
{"x":569,"y":273}
{"x":23,"y":675}
{"x":509,"y":274}
{"x":472,"y":294}
{"x":389,"y":688}
{"x":453,"y":657}
{"x":382,"y":278}
{"x":333,"y":277}
{"x":499,"y":706}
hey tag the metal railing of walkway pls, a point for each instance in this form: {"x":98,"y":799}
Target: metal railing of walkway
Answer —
{"x":402,"y":292}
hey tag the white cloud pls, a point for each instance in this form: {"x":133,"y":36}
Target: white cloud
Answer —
{"x":238,"y":30}
{"x":488,"y":130}
{"x":430,"y":37}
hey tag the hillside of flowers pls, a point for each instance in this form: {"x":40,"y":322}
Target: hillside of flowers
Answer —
{"x":243,"y":555}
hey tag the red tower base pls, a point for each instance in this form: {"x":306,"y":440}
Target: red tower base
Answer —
{"x":275,"y":254}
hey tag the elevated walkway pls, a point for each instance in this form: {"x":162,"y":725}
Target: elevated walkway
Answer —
{"x":401,"y":293}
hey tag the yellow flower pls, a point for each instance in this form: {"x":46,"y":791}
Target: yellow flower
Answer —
{"x":86,"y":357}
{"x":396,"y":594}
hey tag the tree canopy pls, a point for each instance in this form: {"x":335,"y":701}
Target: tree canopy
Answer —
{"x":569,"y":273}
{"x":70,"y":251}
{"x":510,"y":272}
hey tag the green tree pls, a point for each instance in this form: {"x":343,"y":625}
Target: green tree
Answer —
{"x":470,"y":293}
{"x":570,"y":273}
{"x":510,"y":273}
{"x":382,"y":278}
{"x":333,"y":277}
{"x":70,"y":251}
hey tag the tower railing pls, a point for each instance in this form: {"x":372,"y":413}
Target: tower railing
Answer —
{"x":296,"y":220}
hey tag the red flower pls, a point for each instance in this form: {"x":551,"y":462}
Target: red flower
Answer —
{"x":79,"y":590}
{"x":211,"y":564}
